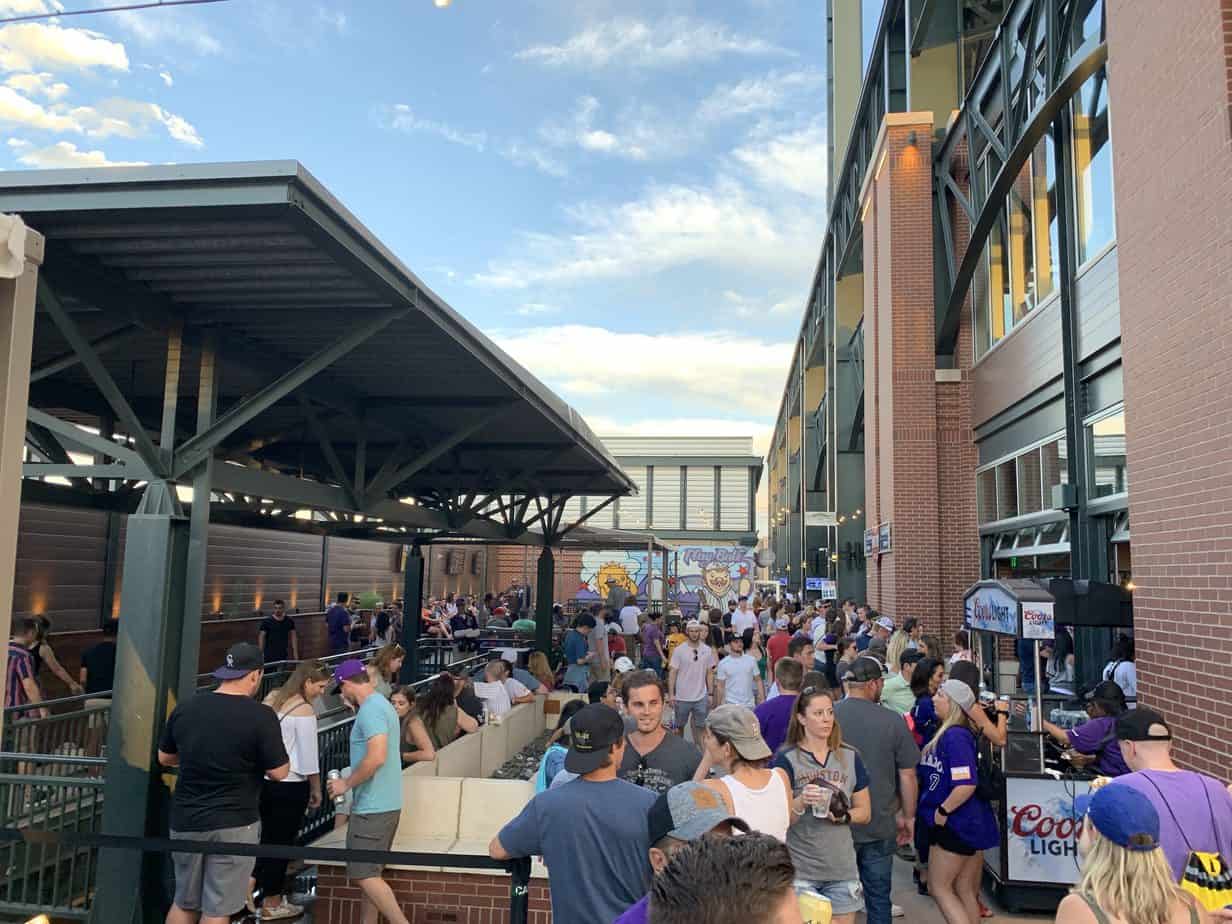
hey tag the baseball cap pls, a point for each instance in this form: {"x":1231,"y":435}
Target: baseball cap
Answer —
{"x":862,"y":670}
{"x":612,"y":628}
{"x":1143,"y":724}
{"x":692,"y":624}
{"x":592,"y":732}
{"x":622,"y":665}
{"x":242,"y":659}
{"x":782,"y":622}
{"x":348,"y":670}
{"x":739,"y":725}
{"x":959,"y":693}
{"x":885,"y":622}
{"x":687,"y":812}
{"x":1120,"y":814}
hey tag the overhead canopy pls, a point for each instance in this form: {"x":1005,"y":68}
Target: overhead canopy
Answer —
{"x":344,"y":384}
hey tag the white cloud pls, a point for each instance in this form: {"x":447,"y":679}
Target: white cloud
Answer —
{"x":793,"y":161}
{"x":757,"y":94}
{"x":41,"y":84}
{"x":521,"y":154}
{"x":16,"y":109}
{"x":170,"y":27}
{"x":682,"y":365}
{"x":400,"y":117}
{"x":634,"y":43}
{"x":756,"y":306}
{"x":28,"y":7}
{"x":167,"y":78}
{"x":27,"y":46}
{"x":529,"y":309}
{"x":65,"y":154}
{"x":640,"y":132}
{"x":332,"y":19}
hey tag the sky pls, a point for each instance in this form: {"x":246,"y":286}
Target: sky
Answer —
{"x":626,"y":195}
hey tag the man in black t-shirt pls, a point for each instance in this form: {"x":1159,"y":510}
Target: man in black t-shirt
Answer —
{"x":224,"y":742}
{"x":276,"y":636}
{"x":97,"y":676}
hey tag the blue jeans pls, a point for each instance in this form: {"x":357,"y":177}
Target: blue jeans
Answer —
{"x":876,"y":862}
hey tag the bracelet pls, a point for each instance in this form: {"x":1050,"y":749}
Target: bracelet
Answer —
{"x":794,"y":812}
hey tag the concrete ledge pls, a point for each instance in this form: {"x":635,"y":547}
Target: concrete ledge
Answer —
{"x":461,"y":757}
{"x":494,"y":748}
{"x":521,"y":722}
{"x":421,"y":768}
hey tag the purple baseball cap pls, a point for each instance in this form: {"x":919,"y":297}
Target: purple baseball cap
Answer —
{"x":348,"y":670}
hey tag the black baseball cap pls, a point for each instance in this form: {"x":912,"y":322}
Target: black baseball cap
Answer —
{"x":862,"y":670}
{"x":1109,"y":691}
{"x":1143,"y":725}
{"x":242,"y":659}
{"x":592,"y":732}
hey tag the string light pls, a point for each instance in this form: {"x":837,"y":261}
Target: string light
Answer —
{"x":441,"y":4}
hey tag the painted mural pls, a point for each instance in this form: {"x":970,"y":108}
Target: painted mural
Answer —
{"x":699,"y":575}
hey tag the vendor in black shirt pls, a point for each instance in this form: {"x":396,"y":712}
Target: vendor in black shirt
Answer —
{"x":224,"y":743}
{"x":276,"y":636}
{"x":97,"y":675}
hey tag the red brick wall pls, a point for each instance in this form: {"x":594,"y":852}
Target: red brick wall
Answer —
{"x":431,"y":898}
{"x":1173,"y":166}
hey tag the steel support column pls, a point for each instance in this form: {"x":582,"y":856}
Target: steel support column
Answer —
{"x":545,"y":587}
{"x":199,"y":526}
{"x":412,"y":609}
{"x":17,"y":298}
{"x":131,"y":890}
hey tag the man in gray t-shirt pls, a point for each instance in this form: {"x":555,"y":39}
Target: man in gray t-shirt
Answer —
{"x":654,"y":758}
{"x":890,"y":755}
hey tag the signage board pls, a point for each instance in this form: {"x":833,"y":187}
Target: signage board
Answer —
{"x":991,"y":609}
{"x":883,"y":538}
{"x":820,"y":518}
{"x":824,"y":586}
{"x":1041,"y":829}
{"x":1038,"y":621}
{"x":870,"y":542}
{"x":782,"y":582}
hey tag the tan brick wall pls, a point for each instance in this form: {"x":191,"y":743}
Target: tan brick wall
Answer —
{"x":1173,"y":165}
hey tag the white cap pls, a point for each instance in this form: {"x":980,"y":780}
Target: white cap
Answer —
{"x":612,"y":628}
{"x":622,"y":665}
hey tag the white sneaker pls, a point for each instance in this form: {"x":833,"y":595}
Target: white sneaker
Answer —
{"x":896,"y":911}
{"x":284,"y":912}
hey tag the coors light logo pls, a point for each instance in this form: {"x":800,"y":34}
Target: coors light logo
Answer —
{"x":1047,"y":832}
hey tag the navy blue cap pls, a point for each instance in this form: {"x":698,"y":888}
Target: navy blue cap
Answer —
{"x":1123,"y":815}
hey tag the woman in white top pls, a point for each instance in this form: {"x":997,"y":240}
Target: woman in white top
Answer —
{"x":283,"y":804}
{"x":1122,"y":670}
{"x":734,"y":746}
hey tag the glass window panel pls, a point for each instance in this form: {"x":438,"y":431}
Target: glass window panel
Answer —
{"x":1026,"y":538}
{"x":1052,"y":533}
{"x":1007,"y":490}
{"x":1000,"y":304}
{"x":1053,"y":464}
{"x":1030,"y":498}
{"x":1021,"y":248}
{"x":1044,"y":211}
{"x":1088,"y":22}
{"x":1093,"y":166}
{"x":986,"y":495}
{"x":980,"y":306}
{"x":1109,"y":475}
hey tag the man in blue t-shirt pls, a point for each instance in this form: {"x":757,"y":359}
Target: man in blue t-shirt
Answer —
{"x":592,"y":832}
{"x":376,"y":778}
{"x":338,"y":624}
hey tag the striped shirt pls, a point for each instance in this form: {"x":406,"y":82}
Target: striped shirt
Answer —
{"x":21,"y":668}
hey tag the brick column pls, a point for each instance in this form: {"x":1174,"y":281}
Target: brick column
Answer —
{"x":1173,"y":165}
{"x":901,"y":426}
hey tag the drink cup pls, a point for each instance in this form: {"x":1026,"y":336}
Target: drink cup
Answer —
{"x":822,"y":808}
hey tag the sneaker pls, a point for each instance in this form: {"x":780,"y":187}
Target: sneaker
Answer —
{"x":284,"y":912}
{"x":896,"y":911}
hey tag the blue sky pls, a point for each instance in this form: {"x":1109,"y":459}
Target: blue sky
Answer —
{"x":628,"y":196}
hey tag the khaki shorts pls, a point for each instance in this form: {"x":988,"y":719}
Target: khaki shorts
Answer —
{"x":370,"y":832}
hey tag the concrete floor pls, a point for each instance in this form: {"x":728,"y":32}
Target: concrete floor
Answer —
{"x":919,"y":909}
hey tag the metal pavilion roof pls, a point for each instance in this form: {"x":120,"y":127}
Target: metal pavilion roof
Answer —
{"x":406,"y":399}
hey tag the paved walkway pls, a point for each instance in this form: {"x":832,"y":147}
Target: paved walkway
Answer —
{"x":919,"y":909}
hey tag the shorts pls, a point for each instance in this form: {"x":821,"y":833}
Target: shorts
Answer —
{"x":846,"y":895}
{"x":370,"y":832}
{"x":699,"y":709}
{"x":941,"y":836}
{"x":215,"y":885}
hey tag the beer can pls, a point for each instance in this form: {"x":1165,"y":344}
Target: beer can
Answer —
{"x":336,"y":775}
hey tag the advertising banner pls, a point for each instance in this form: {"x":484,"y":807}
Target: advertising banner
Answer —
{"x":870,"y":542}
{"x":827,"y":587}
{"x":991,"y":609}
{"x":1038,"y":621}
{"x":1042,"y":830}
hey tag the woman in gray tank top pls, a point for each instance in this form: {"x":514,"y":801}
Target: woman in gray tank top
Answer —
{"x":830,"y":793}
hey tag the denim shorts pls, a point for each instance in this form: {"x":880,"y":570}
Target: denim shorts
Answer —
{"x":699,"y":709}
{"x":846,"y":895}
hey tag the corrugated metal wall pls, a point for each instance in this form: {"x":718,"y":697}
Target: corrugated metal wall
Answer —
{"x":734,"y":498}
{"x":248,"y":569}
{"x":699,"y":497}
{"x":60,"y":565}
{"x":358,"y":566}
{"x":602,"y":519}
{"x":666,"y":513}
{"x":679,"y":445}
{"x":633,"y":508}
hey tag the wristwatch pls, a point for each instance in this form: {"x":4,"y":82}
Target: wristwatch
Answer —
{"x":941,"y":810}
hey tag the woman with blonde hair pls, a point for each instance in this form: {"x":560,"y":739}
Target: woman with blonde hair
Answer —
{"x":1125,"y":877}
{"x":539,"y":667}
{"x":899,"y":642}
{"x":383,"y":670}
{"x":829,"y":786}
{"x":283,"y":803}
{"x":748,"y":787}
{"x":961,"y":824}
